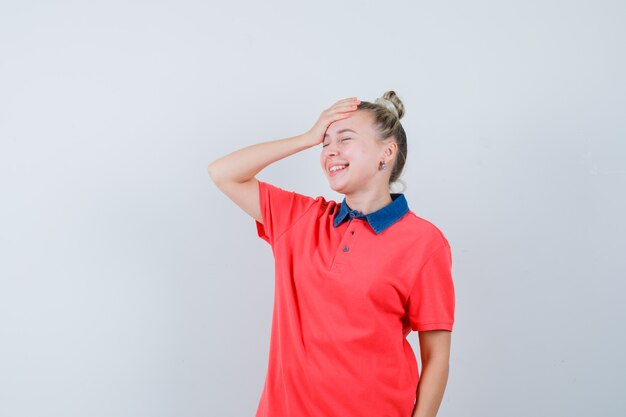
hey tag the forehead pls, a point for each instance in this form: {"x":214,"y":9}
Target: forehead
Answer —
{"x":359,"y":121}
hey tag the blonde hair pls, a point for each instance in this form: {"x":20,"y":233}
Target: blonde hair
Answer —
{"x":387,"y":111}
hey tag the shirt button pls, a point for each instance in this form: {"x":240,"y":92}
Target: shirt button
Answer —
{"x":353,"y":232}
{"x":345,"y":249}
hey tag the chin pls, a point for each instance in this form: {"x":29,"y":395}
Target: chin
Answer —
{"x":333,"y":186}
{"x":340,"y":188}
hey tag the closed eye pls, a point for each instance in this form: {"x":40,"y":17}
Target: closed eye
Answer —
{"x":342,"y":139}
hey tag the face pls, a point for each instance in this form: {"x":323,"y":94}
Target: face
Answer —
{"x":352,"y":142}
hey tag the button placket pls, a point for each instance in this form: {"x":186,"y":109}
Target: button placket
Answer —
{"x":348,"y":238}
{"x":344,"y":248}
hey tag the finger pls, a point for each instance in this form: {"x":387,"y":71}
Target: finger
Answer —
{"x":335,"y":110}
{"x":344,"y":110}
{"x":341,"y":108}
{"x":347,"y":100}
{"x":332,"y":116}
{"x":339,"y":116}
{"x":345,"y":106}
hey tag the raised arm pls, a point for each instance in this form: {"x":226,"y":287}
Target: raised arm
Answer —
{"x":234,"y":173}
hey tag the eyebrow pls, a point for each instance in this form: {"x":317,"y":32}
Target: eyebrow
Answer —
{"x":341,"y":131}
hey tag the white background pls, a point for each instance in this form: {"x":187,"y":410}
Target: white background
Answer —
{"x":131,"y":286}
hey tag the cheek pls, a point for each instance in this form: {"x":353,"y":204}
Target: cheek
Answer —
{"x":366,"y":160}
{"x":363,"y":155}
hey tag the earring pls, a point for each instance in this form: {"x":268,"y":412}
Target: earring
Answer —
{"x":383,"y":166}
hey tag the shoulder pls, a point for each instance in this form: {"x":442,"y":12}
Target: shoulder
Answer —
{"x":286,"y":195}
{"x":425,"y":230}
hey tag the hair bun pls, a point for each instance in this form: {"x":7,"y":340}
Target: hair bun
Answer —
{"x":387,"y":104}
{"x":392,"y":102}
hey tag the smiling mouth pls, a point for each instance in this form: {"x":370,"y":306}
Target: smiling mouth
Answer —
{"x":337,"y":171}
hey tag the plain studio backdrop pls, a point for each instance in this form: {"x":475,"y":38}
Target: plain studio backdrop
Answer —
{"x":130,"y":286}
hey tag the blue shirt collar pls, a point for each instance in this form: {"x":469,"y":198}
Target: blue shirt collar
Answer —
{"x":379,"y":220}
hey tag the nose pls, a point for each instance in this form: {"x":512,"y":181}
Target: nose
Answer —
{"x":330,"y":149}
{"x":329,"y":155}
{"x":330,"y":152}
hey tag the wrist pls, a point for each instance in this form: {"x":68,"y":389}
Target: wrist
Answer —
{"x":309,"y":139}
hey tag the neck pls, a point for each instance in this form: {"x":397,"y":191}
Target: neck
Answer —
{"x":366,"y":203}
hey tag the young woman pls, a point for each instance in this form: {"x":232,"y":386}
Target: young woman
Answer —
{"x":352,"y":278}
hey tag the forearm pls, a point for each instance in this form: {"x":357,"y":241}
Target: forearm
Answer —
{"x":245,"y":163}
{"x":431,"y":386}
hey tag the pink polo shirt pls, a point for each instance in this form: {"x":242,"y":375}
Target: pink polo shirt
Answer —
{"x":345,"y":299}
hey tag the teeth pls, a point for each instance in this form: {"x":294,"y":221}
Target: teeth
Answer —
{"x":337,"y":168}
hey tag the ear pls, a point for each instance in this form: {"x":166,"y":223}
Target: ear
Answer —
{"x":391,"y":148}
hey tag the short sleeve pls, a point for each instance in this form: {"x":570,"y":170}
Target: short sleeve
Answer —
{"x":431,"y":301}
{"x":280,"y":210}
